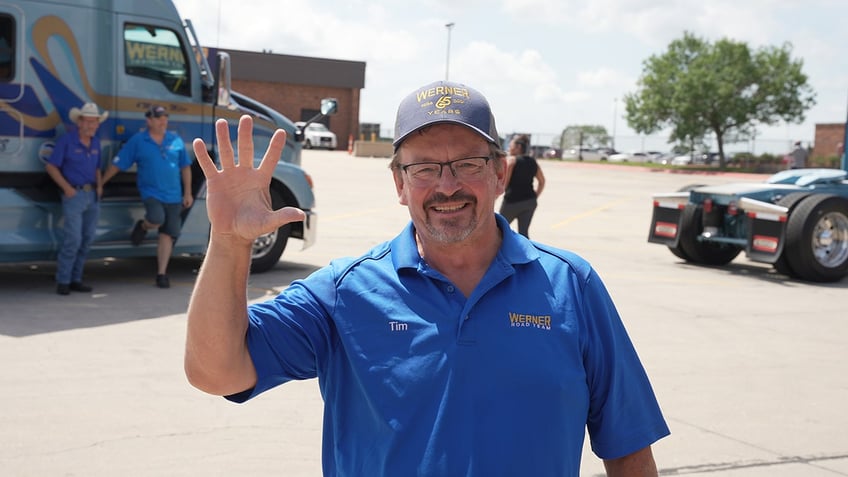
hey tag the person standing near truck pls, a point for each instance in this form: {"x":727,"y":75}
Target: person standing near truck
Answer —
{"x":519,"y":201}
{"x":798,"y":157}
{"x":164,"y":182}
{"x":74,"y":166}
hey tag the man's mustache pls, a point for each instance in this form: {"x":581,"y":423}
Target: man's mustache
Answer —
{"x":439,"y":198}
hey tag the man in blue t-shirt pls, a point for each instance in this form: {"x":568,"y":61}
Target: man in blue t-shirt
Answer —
{"x":164,"y":182}
{"x":459,"y":348}
{"x":74,"y":165}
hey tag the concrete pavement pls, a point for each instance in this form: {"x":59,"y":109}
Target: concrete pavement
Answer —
{"x":748,"y":365}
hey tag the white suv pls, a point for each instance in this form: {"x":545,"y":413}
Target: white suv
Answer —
{"x":317,"y":135}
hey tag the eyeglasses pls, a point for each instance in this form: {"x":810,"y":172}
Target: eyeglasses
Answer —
{"x":426,"y":173}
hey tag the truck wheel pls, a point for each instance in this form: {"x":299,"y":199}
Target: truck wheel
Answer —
{"x":268,"y":248}
{"x":704,"y":253}
{"x":678,"y":250}
{"x":789,"y":201}
{"x":817,"y":238}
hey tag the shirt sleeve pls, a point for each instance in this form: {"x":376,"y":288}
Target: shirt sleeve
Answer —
{"x":126,"y":156}
{"x":288,"y":336}
{"x":184,"y":160}
{"x":57,"y":156}
{"x":624,"y":415}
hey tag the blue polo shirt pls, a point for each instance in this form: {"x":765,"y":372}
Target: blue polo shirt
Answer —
{"x":159,"y":165}
{"x":77,"y":163}
{"x":418,"y":380}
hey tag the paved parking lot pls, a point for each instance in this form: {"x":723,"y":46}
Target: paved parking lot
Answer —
{"x":748,"y":365}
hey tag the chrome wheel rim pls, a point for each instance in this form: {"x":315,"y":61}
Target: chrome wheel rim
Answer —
{"x":830,"y":240}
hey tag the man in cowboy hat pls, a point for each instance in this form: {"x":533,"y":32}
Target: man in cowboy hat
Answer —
{"x":75,"y":167}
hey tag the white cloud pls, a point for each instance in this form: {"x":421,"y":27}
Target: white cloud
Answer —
{"x":544,"y":64}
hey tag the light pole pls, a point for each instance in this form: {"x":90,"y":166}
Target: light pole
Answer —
{"x":449,"y":26}
{"x":614,"y":118}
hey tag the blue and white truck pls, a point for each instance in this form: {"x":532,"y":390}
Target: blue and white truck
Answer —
{"x":123,"y":55}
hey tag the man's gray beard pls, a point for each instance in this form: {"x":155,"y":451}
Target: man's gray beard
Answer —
{"x":450,"y":234}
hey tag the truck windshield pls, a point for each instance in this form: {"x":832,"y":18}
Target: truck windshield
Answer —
{"x":156,"y":53}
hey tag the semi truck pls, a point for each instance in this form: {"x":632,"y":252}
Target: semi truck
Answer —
{"x":796,"y":220}
{"x":125,"y":56}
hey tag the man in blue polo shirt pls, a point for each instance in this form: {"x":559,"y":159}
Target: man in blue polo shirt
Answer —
{"x":459,"y":348}
{"x":74,"y":165}
{"x":164,"y":182}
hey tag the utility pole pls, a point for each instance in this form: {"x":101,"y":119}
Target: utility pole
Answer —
{"x":449,"y":26}
{"x":614,"y":119}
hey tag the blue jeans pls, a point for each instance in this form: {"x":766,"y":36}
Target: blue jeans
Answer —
{"x":80,"y":214}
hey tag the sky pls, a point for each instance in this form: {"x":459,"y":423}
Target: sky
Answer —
{"x":542,"y":64}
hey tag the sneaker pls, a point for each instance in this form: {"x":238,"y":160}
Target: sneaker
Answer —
{"x":63,"y":289}
{"x":162,"y":281}
{"x":138,"y":233}
{"x":79,"y":287}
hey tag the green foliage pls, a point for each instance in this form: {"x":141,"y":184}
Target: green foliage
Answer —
{"x":724,"y":89}
{"x":587,"y":135}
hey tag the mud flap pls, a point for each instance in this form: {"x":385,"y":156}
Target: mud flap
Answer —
{"x":765,"y":240}
{"x":766,"y":231}
{"x":665,"y":223}
{"x":665,"y":226}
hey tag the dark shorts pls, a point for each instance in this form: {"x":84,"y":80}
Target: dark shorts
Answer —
{"x":166,"y":215}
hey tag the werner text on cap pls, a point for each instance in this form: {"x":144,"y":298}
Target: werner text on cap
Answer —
{"x":445,"y":102}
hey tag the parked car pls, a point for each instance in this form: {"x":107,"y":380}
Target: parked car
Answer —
{"x":629,"y":157}
{"x":552,"y":153}
{"x":654,"y":156}
{"x":682,"y":160}
{"x":585,"y":154}
{"x":318,"y":136}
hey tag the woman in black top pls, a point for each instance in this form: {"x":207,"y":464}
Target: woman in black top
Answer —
{"x":519,"y":201}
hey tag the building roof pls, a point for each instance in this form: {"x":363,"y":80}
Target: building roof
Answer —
{"x":272,"y":67}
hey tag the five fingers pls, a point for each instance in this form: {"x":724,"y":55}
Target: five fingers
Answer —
{"x":226,"y":153}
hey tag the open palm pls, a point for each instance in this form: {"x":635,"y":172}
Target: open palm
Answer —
{"x":238,"y":200}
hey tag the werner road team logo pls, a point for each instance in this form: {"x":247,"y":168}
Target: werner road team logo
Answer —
{"x":517,"y":320}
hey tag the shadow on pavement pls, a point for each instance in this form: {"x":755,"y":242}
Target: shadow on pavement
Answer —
{"x":124,"y":290}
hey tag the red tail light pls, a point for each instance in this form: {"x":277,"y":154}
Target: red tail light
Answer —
{"x":708,"y":206}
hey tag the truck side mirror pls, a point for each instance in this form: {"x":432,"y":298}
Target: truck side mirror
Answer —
{"x":329,"y":106}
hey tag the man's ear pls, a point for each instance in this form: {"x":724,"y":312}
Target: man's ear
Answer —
{"x":500,"y":174}
{"x":397,"y":175}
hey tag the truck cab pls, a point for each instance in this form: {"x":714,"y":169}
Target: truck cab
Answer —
{"x":125,"y":56}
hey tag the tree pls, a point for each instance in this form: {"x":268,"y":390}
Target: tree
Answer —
{"x":697,"y":88}
{"x":585,"y":135}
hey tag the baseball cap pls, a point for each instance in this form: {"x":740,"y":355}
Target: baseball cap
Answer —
{"x":445,"y":102}
{"x":155,"y":111}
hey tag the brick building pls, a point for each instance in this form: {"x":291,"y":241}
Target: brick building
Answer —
{"x":829,"y":136}
{"x":295,"y":85}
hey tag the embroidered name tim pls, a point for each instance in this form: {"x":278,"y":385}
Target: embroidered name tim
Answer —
{"x":534,"y":321}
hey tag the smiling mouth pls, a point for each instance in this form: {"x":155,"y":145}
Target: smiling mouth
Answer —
{"x":446,"y":208}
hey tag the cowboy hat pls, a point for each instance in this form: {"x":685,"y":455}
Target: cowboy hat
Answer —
{"x":88,"y":110}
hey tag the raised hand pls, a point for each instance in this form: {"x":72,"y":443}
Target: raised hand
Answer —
{"x":238,"y":200}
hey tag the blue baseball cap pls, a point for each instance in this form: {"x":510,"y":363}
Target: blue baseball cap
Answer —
{"x":445,"y":102}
